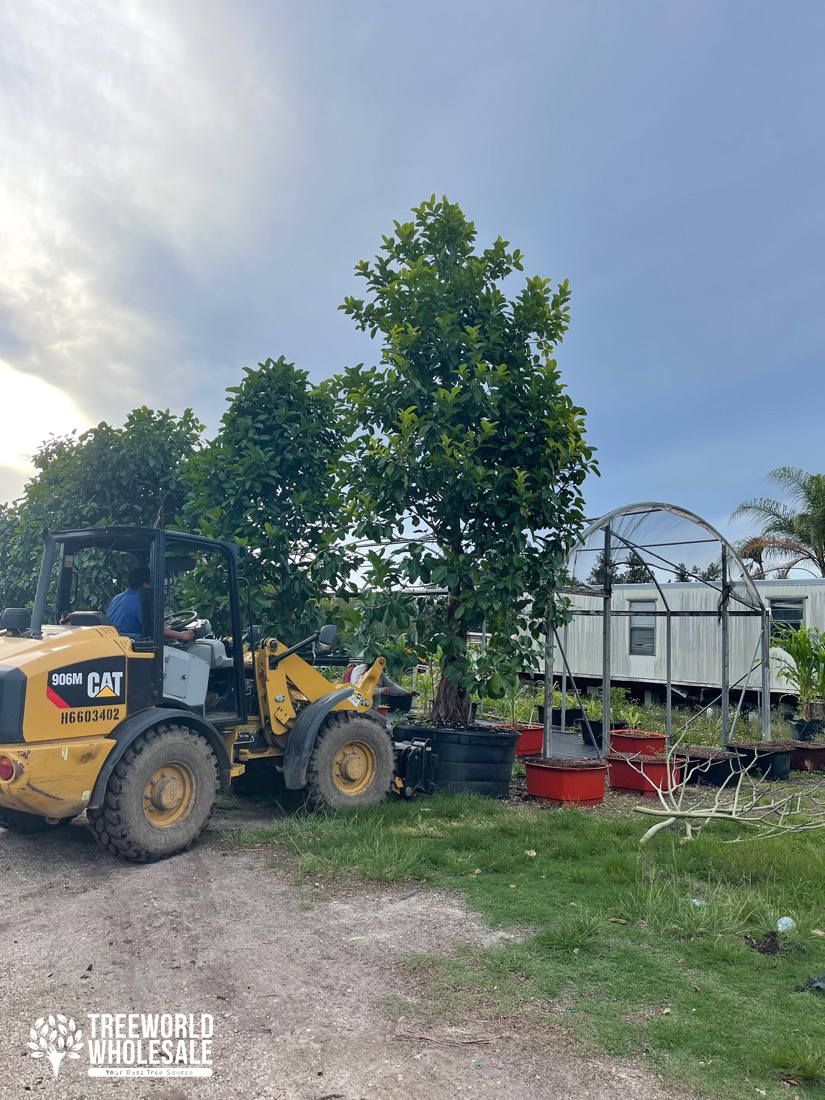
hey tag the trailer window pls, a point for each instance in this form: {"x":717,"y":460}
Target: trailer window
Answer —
{"x":786,"y":613}
{"x":642,"y":628}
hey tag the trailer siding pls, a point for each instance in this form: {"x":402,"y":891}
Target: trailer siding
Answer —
{"x":697,"y":643}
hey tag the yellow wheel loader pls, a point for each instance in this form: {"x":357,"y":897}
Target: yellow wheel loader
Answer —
{"x":140,"y":731}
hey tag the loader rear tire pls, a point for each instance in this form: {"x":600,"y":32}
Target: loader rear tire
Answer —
{"x":159,"y":797}
{"x":19,"y":822}
{"x":352,"y":764}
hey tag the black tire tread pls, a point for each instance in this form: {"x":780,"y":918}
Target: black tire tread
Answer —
{"x":106,"y":822}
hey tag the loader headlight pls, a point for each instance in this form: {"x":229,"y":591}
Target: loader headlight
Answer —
{"x":6,"y":768}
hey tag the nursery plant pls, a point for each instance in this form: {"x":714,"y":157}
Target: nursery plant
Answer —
{"x":463,"y":437}
{"x":633,"y":716}
{"x":592,"y":706}
{"x":802,"y":666}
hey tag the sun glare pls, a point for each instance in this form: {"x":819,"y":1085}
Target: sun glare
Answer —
{"x":33,"y":410}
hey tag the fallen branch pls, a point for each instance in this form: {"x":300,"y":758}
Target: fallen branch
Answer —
{"x":741,"y":799}
{"x":657,"y":828}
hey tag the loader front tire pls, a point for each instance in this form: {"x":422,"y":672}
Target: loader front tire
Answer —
{"x":159,"y":797}
{"x":352,"y":764}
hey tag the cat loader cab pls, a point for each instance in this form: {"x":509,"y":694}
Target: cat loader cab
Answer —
{"x":140,"y":731}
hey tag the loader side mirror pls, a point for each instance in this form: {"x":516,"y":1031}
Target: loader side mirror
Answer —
{"x":326,"y":635}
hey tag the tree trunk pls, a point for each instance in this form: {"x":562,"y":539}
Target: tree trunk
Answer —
{"x":452,"y":703}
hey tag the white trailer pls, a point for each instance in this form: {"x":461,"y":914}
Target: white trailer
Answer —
{"x":638,"y":649}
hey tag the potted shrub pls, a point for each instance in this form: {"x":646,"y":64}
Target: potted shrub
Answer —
{"x":803,"y":667}
{"x":520,"y":704}
{"x":580,"y":782}
{"x":466,"y":434}
{"x":592,"y":731}
{"x":573,"y":713}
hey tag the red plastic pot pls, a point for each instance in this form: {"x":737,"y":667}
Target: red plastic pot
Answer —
{"x":582,"y":786}
{"x":810,"y":758}
{"x":642,"y":775}
{"x":383,"y":709}
{"x":637,"y":741}
{"x":530,"y":738}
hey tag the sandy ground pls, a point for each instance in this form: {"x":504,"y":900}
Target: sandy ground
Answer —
{"x":296,"y":978}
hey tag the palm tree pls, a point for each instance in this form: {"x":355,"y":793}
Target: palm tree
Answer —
{"x":793,"y":532}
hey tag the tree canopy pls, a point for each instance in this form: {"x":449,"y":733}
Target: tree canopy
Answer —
{"x":132,"y":475}
{"x":269,"y":481}
{"x":464,"y":434}
{"x":625,"y":568}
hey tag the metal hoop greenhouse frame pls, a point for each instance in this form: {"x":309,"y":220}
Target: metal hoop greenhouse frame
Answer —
{"x":752,"y":607}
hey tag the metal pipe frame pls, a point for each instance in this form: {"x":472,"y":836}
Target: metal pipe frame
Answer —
{"x":754,"y":607}
{"x":547,"y":732}
{"x":766,"y":676}
{"x":723,"y":618}
{"x":585,"y":719}
{"x":639,"y":551}
{"x":565,"y":636}
{"x":606,"y":630}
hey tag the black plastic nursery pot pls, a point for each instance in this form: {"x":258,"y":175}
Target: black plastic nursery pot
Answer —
{"x":397,"y":703}
{"x":713,"y":767}
{"x":806,"y":729}
{"x":760,"y":758}
{"x":471,"y":761}
{"x":594,"y":735}
{"x":572,"y":716}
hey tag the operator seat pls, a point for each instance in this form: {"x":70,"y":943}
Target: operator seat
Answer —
{"x":211,"y":650}
{"x":88,"y":618}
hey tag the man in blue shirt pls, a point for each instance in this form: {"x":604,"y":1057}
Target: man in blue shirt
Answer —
{"x":124,"y":610}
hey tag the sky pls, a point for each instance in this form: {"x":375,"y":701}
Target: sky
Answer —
{"x":185,"y":189}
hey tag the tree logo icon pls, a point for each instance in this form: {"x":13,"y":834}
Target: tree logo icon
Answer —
{"x":54,"y":1037}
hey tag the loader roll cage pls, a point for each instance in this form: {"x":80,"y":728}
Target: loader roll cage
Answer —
{"x":148,"y":546}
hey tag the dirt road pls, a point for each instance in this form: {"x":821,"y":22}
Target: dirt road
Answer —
{"x":295,"y":977}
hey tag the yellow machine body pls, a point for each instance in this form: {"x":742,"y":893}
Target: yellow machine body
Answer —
{"x":78,"y":685}
{"x":140,"y":729}
{"x":74,"y":694}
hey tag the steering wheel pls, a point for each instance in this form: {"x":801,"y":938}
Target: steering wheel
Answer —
{"x":180,"y":620}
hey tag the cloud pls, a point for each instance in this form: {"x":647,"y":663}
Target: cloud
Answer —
{"x":32,"y":410}
{"x":124,"y":127}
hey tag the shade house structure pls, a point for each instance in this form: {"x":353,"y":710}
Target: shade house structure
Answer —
{"x":702,"y":610}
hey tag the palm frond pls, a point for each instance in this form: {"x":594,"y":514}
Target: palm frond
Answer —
{"x":765,"y":510}
{"x":791,"y":478}
{"x":795,"y":531}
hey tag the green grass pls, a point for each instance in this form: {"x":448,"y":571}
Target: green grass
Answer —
{"x":613,"y":945}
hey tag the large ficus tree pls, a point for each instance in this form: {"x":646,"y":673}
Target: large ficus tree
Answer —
{"x":268,"y":481}
{"x":464,"y":434}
